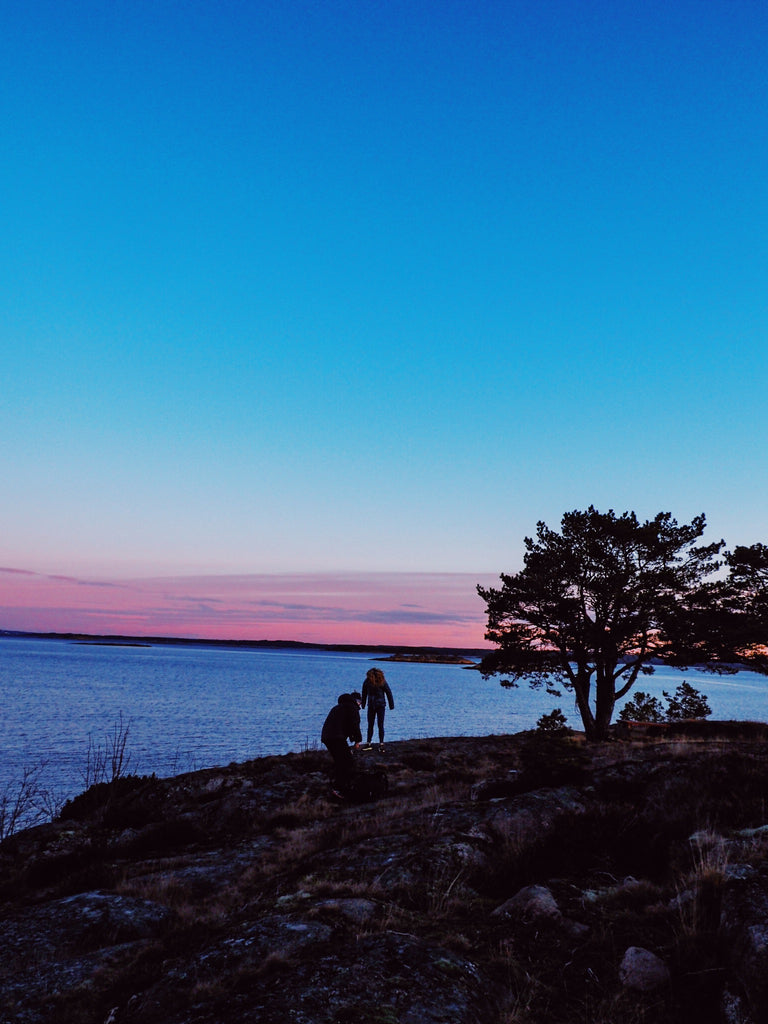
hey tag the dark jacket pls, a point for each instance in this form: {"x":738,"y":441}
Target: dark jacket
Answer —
{"x":378,"y":694}
{"x":343,"y":721}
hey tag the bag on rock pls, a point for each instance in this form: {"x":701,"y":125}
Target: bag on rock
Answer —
{"x":368,"y":785}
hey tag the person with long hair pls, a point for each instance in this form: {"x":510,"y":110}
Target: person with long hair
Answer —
{"x":376,"y":694}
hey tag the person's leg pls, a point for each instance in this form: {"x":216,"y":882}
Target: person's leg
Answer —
{"x":371,"y":719}
{"x":343,"y":764}
{"x":346,"y":765}
{"x":380,"y":715}
{"x":330,"y":745}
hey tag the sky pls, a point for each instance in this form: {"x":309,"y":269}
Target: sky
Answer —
{"x":309,"y":312}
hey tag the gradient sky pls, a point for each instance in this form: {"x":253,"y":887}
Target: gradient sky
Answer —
{"x":310,"y":311}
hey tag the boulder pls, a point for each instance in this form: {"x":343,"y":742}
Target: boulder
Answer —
{"x":642,"y":971}
{"x":534,"y":903}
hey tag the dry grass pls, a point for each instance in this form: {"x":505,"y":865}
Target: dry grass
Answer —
{"x":711,"y":854}
{"x":699,"y":891}
{"x":160,"y":887}
{"x":444,"y":889}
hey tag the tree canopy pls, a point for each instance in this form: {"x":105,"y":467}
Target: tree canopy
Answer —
{"x":747,"y":602}
{"x":724,"y":623}
{"x":597,"y":603}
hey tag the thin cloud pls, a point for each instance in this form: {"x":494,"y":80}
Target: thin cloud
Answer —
{"x":58,"y":578}
{"x":410,"y":608}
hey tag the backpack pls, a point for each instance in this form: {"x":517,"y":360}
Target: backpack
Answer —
{"x":367,"y":786}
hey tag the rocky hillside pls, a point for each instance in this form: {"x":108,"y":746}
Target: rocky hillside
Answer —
{"x":512,"y":879}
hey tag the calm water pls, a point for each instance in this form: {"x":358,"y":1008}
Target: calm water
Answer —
{"x":195,"y":707}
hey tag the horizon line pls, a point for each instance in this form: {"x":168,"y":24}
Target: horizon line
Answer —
{"x":221,"y":642}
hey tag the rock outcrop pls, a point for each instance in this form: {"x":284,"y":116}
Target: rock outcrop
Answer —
{"x":503,"y":878}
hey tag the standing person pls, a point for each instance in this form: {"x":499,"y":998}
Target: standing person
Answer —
{"x":343,"y":723}
{"x":377,"y":693}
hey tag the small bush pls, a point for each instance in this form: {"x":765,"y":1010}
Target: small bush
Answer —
{"x":687,"y":703}
{"x":109,"y":761}
{"x":554,"y":724}
{"x":21,"y":803}
{"x":642,"y":708}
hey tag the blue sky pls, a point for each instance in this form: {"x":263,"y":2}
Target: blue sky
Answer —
{"x":302,"y":288}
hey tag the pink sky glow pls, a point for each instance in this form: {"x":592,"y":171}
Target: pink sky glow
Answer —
{"x":411,"y":609}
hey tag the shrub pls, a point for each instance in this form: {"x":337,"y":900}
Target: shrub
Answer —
{"x":554,"y":724}
{"x":109,"y":761}
{"x":642,"y":708}
{"x":686,"y":703}
{"x":21,"y":802}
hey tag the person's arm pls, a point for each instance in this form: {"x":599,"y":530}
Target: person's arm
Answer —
{"x":364,"y":693}
{"x":353,"y":727}
{"x":390,"y":698}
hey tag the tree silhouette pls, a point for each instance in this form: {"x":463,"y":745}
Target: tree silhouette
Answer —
{"x":596,"y":604}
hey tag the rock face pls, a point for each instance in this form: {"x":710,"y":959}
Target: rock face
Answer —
{"x":503,"y":878}
{"x":744,"y":927}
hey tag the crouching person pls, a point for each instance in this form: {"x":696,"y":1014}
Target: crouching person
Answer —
{"x":342,"y":724}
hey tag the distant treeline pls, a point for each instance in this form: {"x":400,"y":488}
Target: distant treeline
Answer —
{"x":120,"y":640}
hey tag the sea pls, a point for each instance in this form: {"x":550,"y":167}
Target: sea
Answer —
{"x":182,"y":707}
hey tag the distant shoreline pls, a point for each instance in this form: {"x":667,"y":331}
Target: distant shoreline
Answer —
{"x":429,"y":658}
{"x":424,"y":653}
{"x":120,"y":640}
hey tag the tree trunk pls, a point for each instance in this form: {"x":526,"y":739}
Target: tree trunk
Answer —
{"x":595,"y":725}
{"x":605,"y":699}
{"x":581,"y":691}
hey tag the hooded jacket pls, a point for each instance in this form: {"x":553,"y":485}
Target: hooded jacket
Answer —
{"x":343,"y":721}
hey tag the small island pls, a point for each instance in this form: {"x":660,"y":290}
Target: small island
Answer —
{"x":430,"y":659}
